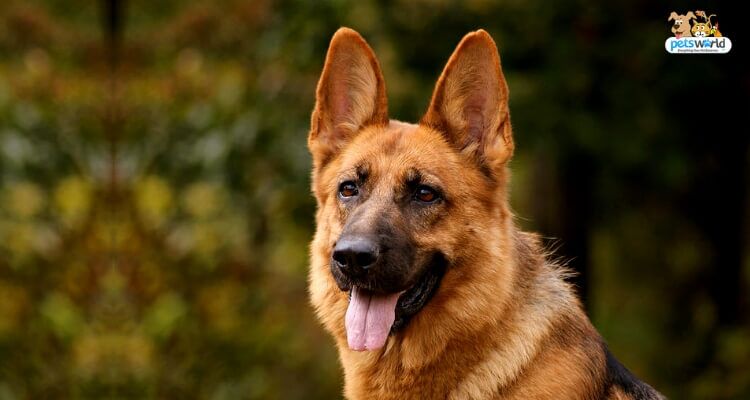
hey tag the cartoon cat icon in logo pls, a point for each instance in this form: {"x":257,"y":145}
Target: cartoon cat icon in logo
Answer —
{"x":704,"y":28}
{"x":701,"y":29}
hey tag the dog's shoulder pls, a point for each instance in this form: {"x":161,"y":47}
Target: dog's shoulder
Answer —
{"x":571,"y":331}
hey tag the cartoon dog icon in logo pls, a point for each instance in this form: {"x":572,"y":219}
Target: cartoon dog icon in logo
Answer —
{"x":681,"y":25}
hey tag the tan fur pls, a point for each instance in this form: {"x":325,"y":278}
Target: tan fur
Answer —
{"x":503,"y":324}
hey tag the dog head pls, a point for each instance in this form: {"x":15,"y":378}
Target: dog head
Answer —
{"x":681,"y":23}
{"x":400,"y":205}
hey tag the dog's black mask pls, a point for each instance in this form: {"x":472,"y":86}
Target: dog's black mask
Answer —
{"x":381,"y":257}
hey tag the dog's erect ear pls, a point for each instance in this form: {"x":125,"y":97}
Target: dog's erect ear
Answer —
{"x":690,"y":15}
{"x":470,"y":102}
{"x":672,"y":16}
{"x":350,"y":95}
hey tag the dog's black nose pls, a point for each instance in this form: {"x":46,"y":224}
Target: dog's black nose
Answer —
{"x":355,"y":254}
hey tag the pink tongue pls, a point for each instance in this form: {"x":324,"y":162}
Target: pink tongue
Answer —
{"x":369,"y":319}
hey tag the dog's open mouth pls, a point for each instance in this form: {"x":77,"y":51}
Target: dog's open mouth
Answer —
{"x":371,"y":316}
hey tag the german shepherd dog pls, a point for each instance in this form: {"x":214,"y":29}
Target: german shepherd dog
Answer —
{"x":417,"y":269}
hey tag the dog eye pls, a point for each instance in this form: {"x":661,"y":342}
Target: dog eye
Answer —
{"x":426,"y":194}
{"x":348,"y":189}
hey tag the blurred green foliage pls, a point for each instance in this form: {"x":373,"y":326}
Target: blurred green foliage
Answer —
{"x":155,"y":207}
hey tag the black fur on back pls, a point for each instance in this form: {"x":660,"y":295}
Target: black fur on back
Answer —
{"x":622,"y":378}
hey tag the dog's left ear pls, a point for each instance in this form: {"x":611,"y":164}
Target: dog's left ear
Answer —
{"x":470,"y":102}
{"x":350,"y":95}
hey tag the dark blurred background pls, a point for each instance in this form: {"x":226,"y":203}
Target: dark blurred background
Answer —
{"x":154,"y":185}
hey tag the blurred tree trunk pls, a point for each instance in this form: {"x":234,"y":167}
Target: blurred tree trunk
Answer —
{"x":719,"y":144}
{"x":562,"y":209}
{"x":575,"y":219}
{"x":112,"y":24}
{"x":725,"y":139}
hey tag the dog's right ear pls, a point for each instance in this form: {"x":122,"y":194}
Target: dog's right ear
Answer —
{"x":470,"y":102}
{"x":350,"y":95}
{"x":690,"y":15}
{"x":673,"y":16}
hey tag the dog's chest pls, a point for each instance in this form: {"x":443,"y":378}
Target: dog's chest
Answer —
{"x":388,"y":379}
